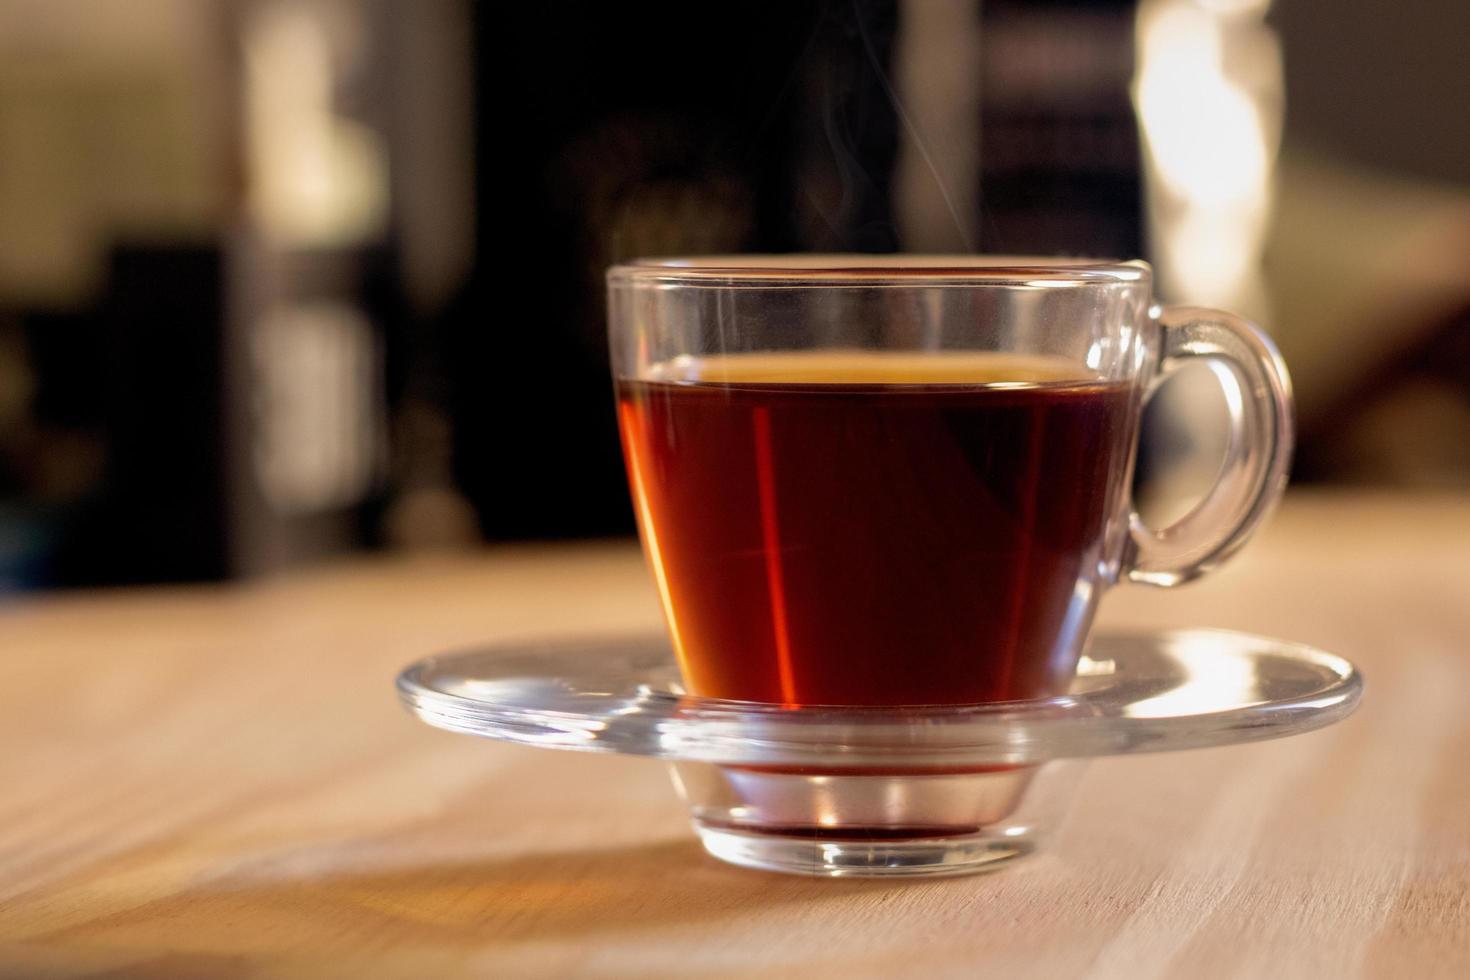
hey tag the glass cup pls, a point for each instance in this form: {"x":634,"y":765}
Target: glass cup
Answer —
{"x":893,"y":481}
{"x":899,"y":480}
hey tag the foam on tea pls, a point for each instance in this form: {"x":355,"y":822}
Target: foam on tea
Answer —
{"x":845,"y":366}
{"x":875,"y":528}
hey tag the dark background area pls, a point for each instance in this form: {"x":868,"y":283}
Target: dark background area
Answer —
{"x":280,"y":281}
{"x":687,"y":110}
{"x":671,"y":129}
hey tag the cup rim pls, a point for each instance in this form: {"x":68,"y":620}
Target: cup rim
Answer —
{"x":815,"y":269}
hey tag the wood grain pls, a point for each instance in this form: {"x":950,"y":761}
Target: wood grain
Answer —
{"x":218,"y":782}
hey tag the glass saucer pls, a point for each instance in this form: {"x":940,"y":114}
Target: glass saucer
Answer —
{"x":832,"y":790}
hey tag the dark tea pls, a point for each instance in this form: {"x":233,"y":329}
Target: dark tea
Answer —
{"x":876,"y":528}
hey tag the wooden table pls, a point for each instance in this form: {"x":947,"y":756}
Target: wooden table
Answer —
{"x":218,"y":782}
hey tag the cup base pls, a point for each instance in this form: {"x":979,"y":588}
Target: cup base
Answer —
{"x":812,"y":855}
{"x":866,"y":824}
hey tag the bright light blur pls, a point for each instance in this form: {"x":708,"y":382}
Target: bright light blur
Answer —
{"x":1214,"y":252}
{"x":317,"y":179}
{"x":1206,"y":136}
{"x":318,"y":423}
{"x":1208,"y":92}
{"x":1257,"y":7}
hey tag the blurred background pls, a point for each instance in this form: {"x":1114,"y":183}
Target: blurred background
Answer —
{"x":284,"y":279}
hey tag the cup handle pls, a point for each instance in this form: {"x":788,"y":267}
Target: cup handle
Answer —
{"x":1257,"y":456}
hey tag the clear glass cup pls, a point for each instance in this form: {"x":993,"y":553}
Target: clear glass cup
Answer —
{"x":741,"y":378}
{"x":891,"y":481}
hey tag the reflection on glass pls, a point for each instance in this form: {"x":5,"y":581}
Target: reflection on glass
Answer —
{"x":1213,"y":679}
